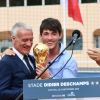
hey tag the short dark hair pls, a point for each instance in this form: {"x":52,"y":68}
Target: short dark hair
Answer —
{"x":51,"y":24}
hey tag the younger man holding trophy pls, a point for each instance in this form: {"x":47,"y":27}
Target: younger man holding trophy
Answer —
{"x":51,"y":35}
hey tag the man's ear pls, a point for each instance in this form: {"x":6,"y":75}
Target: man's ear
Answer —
{"x":13,"y":37}
{"x":61,"y":36}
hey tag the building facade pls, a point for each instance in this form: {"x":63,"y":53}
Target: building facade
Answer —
{"x":10,"y":13}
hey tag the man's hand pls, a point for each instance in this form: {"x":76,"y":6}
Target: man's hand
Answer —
{"x":8,"y":51}
{"x":94,"y":54}
{"x":40,"y":69}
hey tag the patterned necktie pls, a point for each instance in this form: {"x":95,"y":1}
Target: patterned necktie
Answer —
{"x":28,"y":64}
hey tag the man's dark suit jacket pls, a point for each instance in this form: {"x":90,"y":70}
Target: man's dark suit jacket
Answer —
{"x":12,"y":73}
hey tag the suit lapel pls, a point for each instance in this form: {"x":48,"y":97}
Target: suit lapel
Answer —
{"x":19,"y":62}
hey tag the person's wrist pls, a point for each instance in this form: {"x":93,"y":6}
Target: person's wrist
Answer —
{"x":98,"y":62}
{"x":1,"y":55}
{"x":48,"y":76}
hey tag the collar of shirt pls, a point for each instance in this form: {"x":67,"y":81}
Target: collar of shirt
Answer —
{"x":62,"y":48}
{"x":18,"y":53}
{"x":21,"y":57}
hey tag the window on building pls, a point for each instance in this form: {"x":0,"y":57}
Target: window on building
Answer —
{"x":34,"y":2}
{"x":89,"y":1}
{"x":5,"y":44}
{"x":5,"y":41}
{"x":97,"y":38}
{"x":16,"y":2}
{"x":97,"y":41}
{"x":2,"y":3}
{"x":52,"y":2}
{"x":78,"y":44}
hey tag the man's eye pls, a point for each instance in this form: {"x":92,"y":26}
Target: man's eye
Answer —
{"x":45,"y":33}
{"x":54,"y":33}
{"x":24,"y":40}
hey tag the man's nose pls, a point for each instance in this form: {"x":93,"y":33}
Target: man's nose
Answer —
{"x":50,"y":36}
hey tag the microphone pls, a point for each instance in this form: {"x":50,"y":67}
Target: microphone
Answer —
{"x":75,"y":36}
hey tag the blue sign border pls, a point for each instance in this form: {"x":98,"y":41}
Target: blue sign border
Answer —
{"x":61,"y":88}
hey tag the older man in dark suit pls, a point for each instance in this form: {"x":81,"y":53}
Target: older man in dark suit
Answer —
{"x":14,"y":69}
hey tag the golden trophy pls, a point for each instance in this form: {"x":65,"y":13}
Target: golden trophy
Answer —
{"x":41,"y":52}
